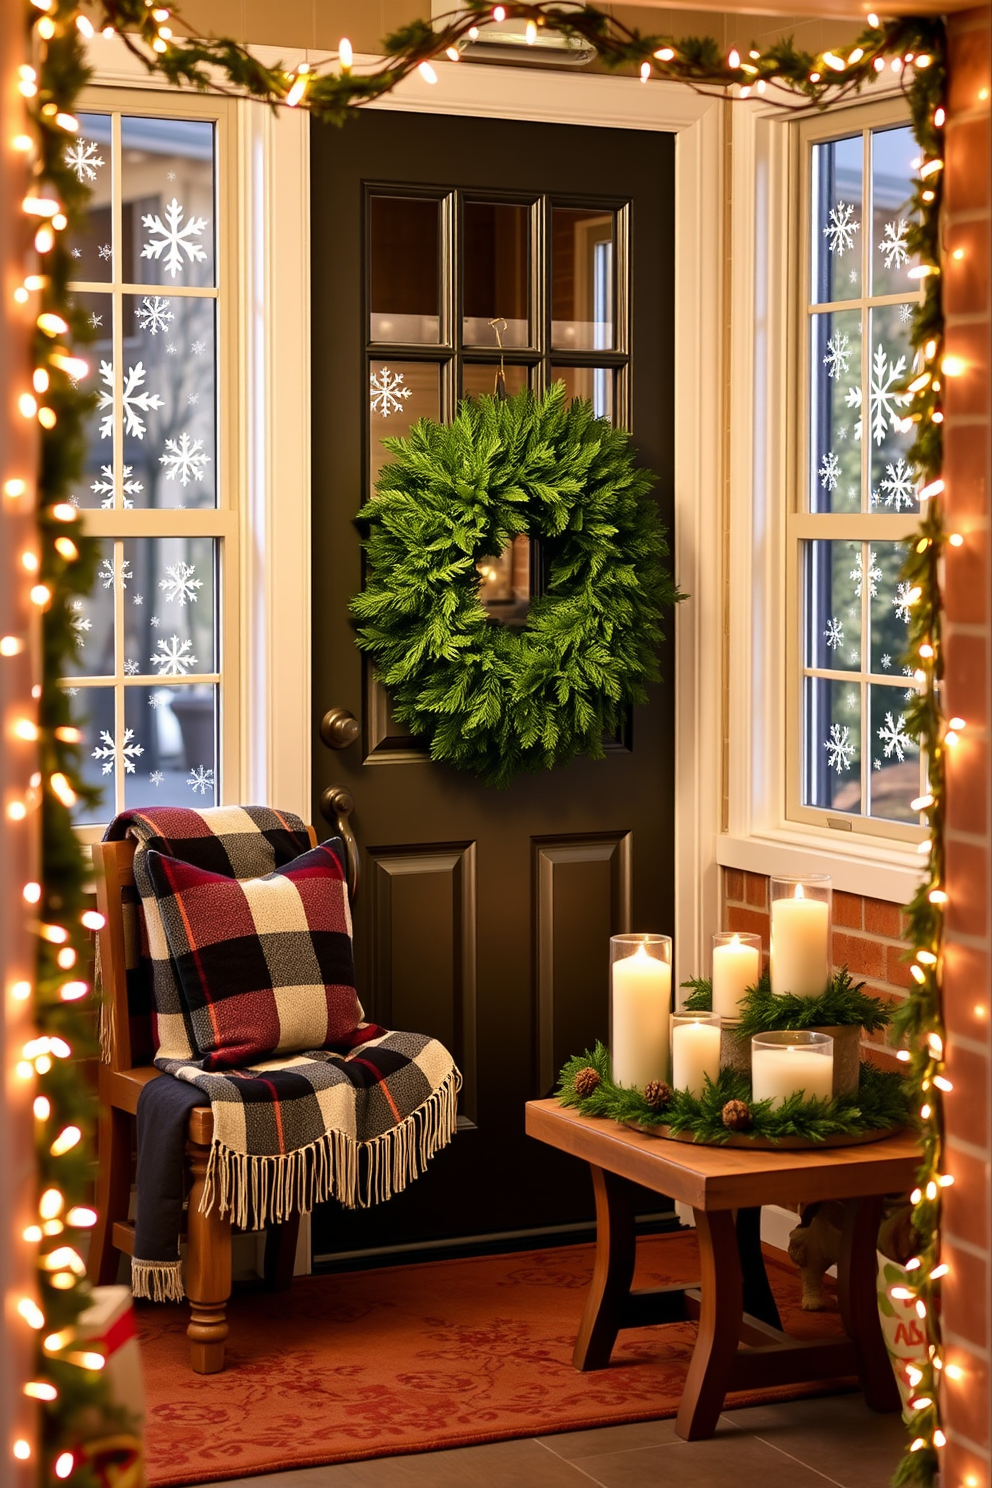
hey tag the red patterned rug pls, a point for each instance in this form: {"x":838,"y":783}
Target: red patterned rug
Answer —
{"x":415,"y":1358}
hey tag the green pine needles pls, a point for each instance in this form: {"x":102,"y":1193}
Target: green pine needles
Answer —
{"x":843,"y":1004}
{"x":494,"y":700}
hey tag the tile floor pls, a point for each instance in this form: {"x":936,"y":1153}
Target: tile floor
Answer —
{"x":806,"y":1444}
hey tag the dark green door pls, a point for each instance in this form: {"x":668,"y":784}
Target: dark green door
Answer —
{"x":484,"y":917}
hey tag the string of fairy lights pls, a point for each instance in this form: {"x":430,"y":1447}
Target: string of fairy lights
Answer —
{"x":67,"y":1381}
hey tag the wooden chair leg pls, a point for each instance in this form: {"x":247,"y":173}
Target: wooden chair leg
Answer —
{"x":280,"y":1254}
{"x":208,"y":1271}
{"x":609,"y":1293}
{"x":857,"y":1293}
{"x":113,"y":1193}
{"x":719,"y":1326}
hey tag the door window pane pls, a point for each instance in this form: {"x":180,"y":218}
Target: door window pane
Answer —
{"x":168,"y":212}
{"x":892,"y":175}
{"x":480,"y":377}
{"x":835,"y":412}
{"x":832,"y":768}
{"x":506,"y":581}
{"x":833,"y":606}
{"x":169,"y":625}
{"x":835,"y":218}
{"x":400,"y":393}
{"x":404,"y":269}
{"x":582,"y":279}
{"x":176,"y":727}
{"x":89,"y":157}
{"x":496,"y":273}
{"x":593,"y":383}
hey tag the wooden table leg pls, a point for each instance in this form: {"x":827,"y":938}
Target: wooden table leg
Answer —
{"x":208,"y":1271}
{"x":858,"y":1297}
{"x":759,"y":1299}
{"x":719,"y":1325}
{"x":614,"y":1270}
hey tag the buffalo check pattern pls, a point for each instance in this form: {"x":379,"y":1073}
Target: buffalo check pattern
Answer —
{"x":356,"y":1120}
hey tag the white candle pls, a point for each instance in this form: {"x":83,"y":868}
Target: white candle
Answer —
{"x":800,"y":961}
{"x":642,"y":1003}
{"x":695,"y":1054}
{"x":735,"y":968}
{"x":778,"y":1073}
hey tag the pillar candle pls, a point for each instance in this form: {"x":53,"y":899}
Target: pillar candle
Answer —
{"x":735,"y":968}
{"x":800,"y":960}
{"x":778,"y":1073}
{"x":642,"y":1002}
{"x":695,"y":1054}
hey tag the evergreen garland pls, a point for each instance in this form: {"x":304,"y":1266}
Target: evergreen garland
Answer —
{"x":881,"y":1103}
{"x":494,"y":700}
{"x":844,"y":1004}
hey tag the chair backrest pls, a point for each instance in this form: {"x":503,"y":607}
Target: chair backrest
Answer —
{"x":126,"y":1038}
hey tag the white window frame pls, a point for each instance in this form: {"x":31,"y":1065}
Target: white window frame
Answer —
{"x":765,"y":431}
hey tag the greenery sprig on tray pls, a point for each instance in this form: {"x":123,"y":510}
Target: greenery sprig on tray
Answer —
{"x":881,"y":1103}
{"x":844,"y":1004}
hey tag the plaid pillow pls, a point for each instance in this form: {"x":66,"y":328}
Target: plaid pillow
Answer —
{"x":264,"y":964}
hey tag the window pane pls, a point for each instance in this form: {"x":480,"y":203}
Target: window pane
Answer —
{"x":889,"y":609}
{"x":168,"y":219}
{"x":89,"y":156}
{"x":582,"y":279}
{"x":833,"y":606}
{"x":592,"y":383}
{"x":478,"y":378}
{"x":837,"y":197}
{"x":400,"y":393}
{"x":176,"y":727}
{"x":496,"y":273}
{"x":169,"y":612}
{"x":404,"y":270}
{"x":170,"y":422}
{"x":507,"y":581}
{"x":895,"y":759}
{"x":100,"y":753}
{"x":835,"y":401}
{"x":833,"y":744}
{"x":93,"y":620}
{"x":892,"y":484}
{"x":892,"y":177}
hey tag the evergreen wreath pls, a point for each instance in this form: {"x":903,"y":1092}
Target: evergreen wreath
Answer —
{"x":494,"y":700}
{"x":843,"y":1004}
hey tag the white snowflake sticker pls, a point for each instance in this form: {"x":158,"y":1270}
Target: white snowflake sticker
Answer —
{"x":180,"y":583}
{"x":905,"y":313}
{"x":840,"y":229}
{"x":829,"y":471}
{"x":105,"y":486}
{"x":156,"y":777}
{"x":893,"y":247}
{"x":840,"y":750}
{"x":201,"y":780}
{"x":174,"y":657}
{"x":82,"y":158}
{"x":894,"y":738}
{"x":183,"y":457}
{"x":838,"y":357}
{"x":108,"y":572}
{"x":135,"y":399}
{"x":834,"y":633}
{"x":388,"y":392}
{"x":874,"y":574}
{"x":173,"y":237}
{"x":883,"y":400}
{"x":902,"y":602}
{"x":154,"y":314}
{"x":111,"y":752}
{"x":80,"y":624}
{"x":886,"y":662}
{"x":898,"y":485}
{"x":131,"y":668}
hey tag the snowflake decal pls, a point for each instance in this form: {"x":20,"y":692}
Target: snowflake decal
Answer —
{"x":886,"y":662}
{"x":181,"y":584}
{"x":111,"y":752}
{"x":876,"y":764}
{"x":838,"y":357}
{"x":131,"y":668}
{"x":156,"y":777}
{"x":893,"y":247}
{"x":105,"y":486}
{"x":183,"y":457}
{"x":387,"y":391}
{"x":192,"y":399}
{"x":883,"y":399}
{"x":840,"y":229}
{"x":905,"y":313}
{"x":894,"y":738}
{"x":173,"y":238}
{"x":840,"y":750}
{"x":138,"y":599}
{"x":104,"y":251}
{"x":80,"y":625}
{"x":155,"y":621}
{"x":135,"y":399}
{"x":108,"y":571}
{"x":851,"y":699}
{"x":95,"y":320}
{"x":898,"y":485}
{"x":198,"y":347}
{"x":829,"y":471}
{"x":171,"y":350}
{"x":158,"y":700}
{"x":834,"y":633}
{"x":902,"y":602}
{"x":874,"y":574}
{"x":154,"y":314}
{"x":174,"y":658}
{"x":201,"y":780}
{"x":82,"y":158}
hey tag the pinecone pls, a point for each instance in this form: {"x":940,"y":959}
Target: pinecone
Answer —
{"x":657,"y":1094}
{"x":736,"y":1116}
{"x":585,"y":1082}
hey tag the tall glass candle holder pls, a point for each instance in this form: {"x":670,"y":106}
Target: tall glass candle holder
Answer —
{"x":788,"y":1060}
{"x":800,"y":934}
{"x":640,"y":1007}
{"x":695,"y":1050}
{"x":736,"y":966}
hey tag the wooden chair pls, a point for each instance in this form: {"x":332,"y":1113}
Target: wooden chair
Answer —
{"x":208,"y":1236}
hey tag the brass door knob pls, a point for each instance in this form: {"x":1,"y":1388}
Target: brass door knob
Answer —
{"x":339,"y":728}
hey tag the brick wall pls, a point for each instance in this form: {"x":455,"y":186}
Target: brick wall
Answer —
{"x":968,"y":967}
{"x":867,"y":934}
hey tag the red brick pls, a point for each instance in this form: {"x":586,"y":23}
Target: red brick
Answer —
{"x":965,"y":1294}
{"x":968,"y":784}
{"x":966,"y":1400}
{"x":883,"y":918}
{"x":966,"y":678}
{"x":965,"y":1204}
{"x":861,"y":957}
{"x":966,"y":469}
{"x":896,"y":969}
{"x":969,"y":69}
{"x":966,"y":174}
{"x":733,"y":884}
{"x":966,"y":279}
{"x":967,"y":992}
{"x":847,"y":910}
{"x":966,"y":580}
{"x":750,"y":920}
{"x":968,"y":392}
{"x":756,"y":890}
{"x":967,"y":888}
{"x":967,"y":1109}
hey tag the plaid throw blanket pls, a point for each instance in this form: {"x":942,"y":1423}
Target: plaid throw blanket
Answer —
{"x":355,"y":1122}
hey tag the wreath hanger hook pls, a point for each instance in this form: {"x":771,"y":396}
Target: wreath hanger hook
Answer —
{"x":499,"y":388}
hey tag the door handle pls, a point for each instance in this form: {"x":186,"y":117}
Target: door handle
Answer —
{"x":339,"y":728}
{"x":336,"y":806}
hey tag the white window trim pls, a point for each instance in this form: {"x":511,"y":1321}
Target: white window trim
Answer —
{"x":758,"y":836}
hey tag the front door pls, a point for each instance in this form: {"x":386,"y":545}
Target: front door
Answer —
{"x":483,"y":917}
